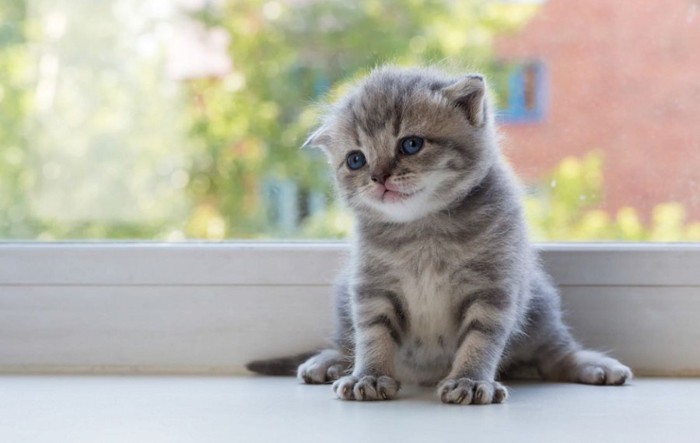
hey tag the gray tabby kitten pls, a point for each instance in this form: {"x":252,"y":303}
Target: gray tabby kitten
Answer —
{"x":443,"y":287}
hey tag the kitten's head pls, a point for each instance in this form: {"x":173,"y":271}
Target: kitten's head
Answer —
{"x":406,"y":143}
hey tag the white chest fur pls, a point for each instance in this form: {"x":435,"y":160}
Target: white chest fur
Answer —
{"x":428,"y":300}
{"x":428,"y":348}
{"x":424,"y":276}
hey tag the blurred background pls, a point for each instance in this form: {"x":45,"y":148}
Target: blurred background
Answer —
{"x":182,"y":119}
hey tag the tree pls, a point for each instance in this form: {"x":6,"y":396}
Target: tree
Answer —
{"x":14,"y":83}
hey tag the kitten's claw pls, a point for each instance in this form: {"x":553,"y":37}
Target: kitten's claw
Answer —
{"x":366,"y":388}
{"x":467,"y":391}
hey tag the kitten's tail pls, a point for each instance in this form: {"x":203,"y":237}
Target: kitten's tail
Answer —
{"x":279,"y":366}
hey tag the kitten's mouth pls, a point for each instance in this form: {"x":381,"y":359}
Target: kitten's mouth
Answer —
{"x":390,"y":196}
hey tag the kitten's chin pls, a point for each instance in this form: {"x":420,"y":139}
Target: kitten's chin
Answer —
{"x":397,"y":207}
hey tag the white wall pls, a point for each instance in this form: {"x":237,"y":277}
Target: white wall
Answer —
{"x":209,"y":308}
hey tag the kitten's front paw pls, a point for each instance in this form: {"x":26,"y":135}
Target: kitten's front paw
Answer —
{"x":366,"y":388}
{"x":465,"y":391}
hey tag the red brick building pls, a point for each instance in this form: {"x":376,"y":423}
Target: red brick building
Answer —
{"x":622,"y":77}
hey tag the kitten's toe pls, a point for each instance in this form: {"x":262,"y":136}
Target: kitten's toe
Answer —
{"x":467,"y":391}
{"x":366,"y":388}
{"x":387,"y":387}
{"x":343,"y":388}
{"x":336,"y":371}
{"x":312,"y":372}
{"x":605,"y":373}
{"x":594,"y":368}
{"x":618,"y":375}
{"x":325,"y":367}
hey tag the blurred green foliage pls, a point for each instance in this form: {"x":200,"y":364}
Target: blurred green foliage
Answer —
{"x":97,"y":142}
{"x":14,"y":83}
{"x":90,"y":136}
{"x":566,"y":207}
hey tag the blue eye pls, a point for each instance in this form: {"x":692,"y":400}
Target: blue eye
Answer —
{"x":356,"y":160}
{"x":411,"y":145}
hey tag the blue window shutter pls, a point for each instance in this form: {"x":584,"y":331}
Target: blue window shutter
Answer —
{"x":516,"y":108}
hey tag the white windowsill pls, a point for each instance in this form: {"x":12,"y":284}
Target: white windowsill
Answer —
{"x":210,"y":308}
{"x":105,"y":409}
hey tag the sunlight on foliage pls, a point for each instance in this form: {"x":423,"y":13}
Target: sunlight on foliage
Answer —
{"x":565,"y":207}
{"x":334,"y":223}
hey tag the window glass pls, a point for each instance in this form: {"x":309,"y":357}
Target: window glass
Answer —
{"x":182,"y":119}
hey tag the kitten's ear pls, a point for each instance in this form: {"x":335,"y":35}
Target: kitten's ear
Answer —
{"x":469,"y":94}
{"x":319,"y":138}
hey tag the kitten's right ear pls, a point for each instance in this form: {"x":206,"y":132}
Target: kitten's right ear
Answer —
{"x":320,"y":138}
{"x":469,"y":94}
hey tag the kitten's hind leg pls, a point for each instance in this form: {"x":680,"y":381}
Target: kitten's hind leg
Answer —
{"x":555,"y":352}
{"x":559,"y":357}
{"x":324,"y":367}
{"x":583,"y":366}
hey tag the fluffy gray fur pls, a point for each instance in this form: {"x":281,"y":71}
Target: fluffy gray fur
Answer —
{"x":443,"y":286}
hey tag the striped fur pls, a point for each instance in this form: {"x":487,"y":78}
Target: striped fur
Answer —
{"x":443,"y":287}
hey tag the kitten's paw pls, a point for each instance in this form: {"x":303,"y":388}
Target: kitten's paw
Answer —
{"x":606,"y":372}
{"x":326,"y":367}
{"x":584,"y":366}
{"x":366,"y":388}
{"x":590,"y":367}
{"x":465,"y":391}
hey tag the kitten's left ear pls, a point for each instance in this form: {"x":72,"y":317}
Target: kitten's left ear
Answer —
{"x":469,"y":94}
{"x":320,"y":138}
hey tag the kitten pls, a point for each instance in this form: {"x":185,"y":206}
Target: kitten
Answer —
{"x":443,"y":287}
